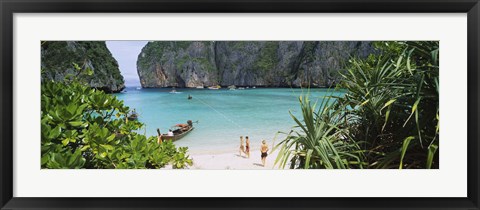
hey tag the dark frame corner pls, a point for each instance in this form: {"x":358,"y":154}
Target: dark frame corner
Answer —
{"x":9,"y":7}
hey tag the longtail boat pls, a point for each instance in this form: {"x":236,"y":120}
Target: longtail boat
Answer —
{"x":133,"y":116}
{"x":180,"y":131}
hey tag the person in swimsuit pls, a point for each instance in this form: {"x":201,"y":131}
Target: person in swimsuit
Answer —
{"x":264,"y":150}
{"x":242,"y":148}
{"x":247,"y":147}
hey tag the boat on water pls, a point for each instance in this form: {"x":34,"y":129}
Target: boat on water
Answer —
{"x":174,"y":91}
{"x":241,"y":88}
{"x":214,"y":87}
{"x":200,"y":87}
{"x":139,"y":88}
{"x":232,"y":87}
{"x":179,"y":131}
{"x":133,"y":116}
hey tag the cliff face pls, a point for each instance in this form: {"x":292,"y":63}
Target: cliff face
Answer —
{"x":246,"y":63}
{"x":58,"y":58}
{"x":180,"y":64}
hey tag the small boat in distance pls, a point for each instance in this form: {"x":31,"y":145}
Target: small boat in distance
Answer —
{"x":200,"y":87}
{"x":139,"y":88}
{"x":174,"y":91}
{"x":133,"y":116}
{"x":214,"y":87}
{"x":180,"y":131}
{"x":232,"y":87}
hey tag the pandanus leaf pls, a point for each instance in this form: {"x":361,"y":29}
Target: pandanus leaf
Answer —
{"x":406,"y":143}
{"x":432,"y":149}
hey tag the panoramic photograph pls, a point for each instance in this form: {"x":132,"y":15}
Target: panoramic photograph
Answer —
{"x":239,"y":105}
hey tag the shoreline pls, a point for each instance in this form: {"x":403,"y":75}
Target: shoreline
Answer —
{"x":227,"y":88}
{"x":232,"y":160}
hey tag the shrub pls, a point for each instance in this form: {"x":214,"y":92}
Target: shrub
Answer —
{"x":319,"y":140}
{"x":87,"y":128}
{"x":390,"y":110}
{"x":394,"y":100}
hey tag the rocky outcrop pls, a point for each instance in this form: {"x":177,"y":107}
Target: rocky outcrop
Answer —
{"x":246,"y":63}
{"x":180,"y":64}
{"x":59,"y":57}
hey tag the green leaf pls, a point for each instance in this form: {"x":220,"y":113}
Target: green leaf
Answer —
{"x":76,"y":66}
{"x":65,"y":142}
{"x":89,"y":71}
{"x":111,"y":138}
{"x":406,"y":142}
{"x":55,"y":132}
{"x":418,"y":129}
{"x":409,"y":68}
{"x":414,"y":109}
{"x":387,"y":114}
{"x":76,"y":123}
{"x":415,"y":105}
{"x":365,"y":102}
{"x":388,"y":103}
{"x":432,"y":149}
{"x":84,"y":148}
{"x":309,"y":156}
{"x":45,"y":159}
{"x":107,"y":147}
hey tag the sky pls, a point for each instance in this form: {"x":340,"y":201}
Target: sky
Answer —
{"x":126,"y":53}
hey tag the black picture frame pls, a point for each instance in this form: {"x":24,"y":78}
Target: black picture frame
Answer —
{"x":10,"y":7}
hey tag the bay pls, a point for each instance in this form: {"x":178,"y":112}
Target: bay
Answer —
{"x":220,"y":116}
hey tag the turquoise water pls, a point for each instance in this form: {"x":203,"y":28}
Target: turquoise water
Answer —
{"x":223,"y":115}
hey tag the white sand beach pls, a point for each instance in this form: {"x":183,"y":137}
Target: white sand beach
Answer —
{"x":233,"y":160}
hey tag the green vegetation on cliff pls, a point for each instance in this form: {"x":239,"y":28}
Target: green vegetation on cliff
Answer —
{"x":174,"y":63}
{"x":58,"y":58}
{"x":268,"y":57}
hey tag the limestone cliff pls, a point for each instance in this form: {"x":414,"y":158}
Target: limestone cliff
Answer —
{"x":246,"y":63}
{"x":180,"y":64}
{"x":57,"y":58}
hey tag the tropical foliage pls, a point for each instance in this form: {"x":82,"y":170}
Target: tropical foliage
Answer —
{"x":320,"y":140}
{"x":388,"y":118}
{"x":86,"y":128}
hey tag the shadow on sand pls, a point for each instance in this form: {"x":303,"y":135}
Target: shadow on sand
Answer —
{"x":241,"y":156}
{"x":258,"y":164}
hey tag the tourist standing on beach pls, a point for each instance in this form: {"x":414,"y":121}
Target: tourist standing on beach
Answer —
{"x":247,"y":147}
{"x":264,"y":150}
{"x":242,"y":149}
